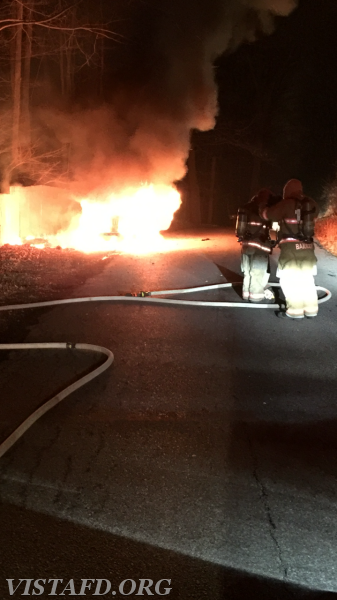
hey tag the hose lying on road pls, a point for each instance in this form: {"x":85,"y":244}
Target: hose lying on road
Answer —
{"x":145,"y":297}
{"x":8,"y":443}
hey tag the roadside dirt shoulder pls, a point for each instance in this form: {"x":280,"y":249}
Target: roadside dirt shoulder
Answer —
{"x":29,"y":274}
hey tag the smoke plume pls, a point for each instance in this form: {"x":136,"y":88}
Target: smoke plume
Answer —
{"x":162,"y":87}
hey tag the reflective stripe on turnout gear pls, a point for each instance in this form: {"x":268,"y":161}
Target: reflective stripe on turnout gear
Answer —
{"x":304,"y":246}
{"x":256,"y":296}
{"x":295,"y":312}
{"x":257,"y":245}
{"x":298,"y":245}
{"x":292,"y":221}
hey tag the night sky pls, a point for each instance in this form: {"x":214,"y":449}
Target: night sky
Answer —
{"x":281,"y":93}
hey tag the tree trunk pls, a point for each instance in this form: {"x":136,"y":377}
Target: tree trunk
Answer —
{"x":101,"y":78}
{"x":69,"y":60}
{"x":17,"y":87}
{"x":5,"y":182}
{"x":211,"y":192}
{"x":26,"y":83}
{"x":66,"y":67}
{"x":62,"y":76}
{"x":194,"y":191}
{"x":69,"y":70}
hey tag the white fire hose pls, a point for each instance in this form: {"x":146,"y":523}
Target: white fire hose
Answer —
{"x":146,"y":298}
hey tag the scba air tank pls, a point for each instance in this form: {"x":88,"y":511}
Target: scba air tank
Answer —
{"x":307,"y":218}
{"x":241,"y":223}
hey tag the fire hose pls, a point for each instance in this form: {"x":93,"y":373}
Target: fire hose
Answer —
{"x":146,"y":298}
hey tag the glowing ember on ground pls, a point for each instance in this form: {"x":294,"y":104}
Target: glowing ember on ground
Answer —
{"x":128,"y":222}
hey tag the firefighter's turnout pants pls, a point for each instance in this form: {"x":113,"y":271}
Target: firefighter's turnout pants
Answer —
{"x":296,"y":270}
{"x":255,"y":269}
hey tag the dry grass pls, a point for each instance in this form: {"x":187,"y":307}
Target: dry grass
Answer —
{"x":29,"y":274}
{"x":326,"y":233}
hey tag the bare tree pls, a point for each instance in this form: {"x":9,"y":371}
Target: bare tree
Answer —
{"x":48,"y":28}
{"x":27,"y":55}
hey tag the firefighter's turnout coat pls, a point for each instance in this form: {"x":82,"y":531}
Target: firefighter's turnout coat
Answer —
{"x":256,"y":248}
{"x":297,"y":262}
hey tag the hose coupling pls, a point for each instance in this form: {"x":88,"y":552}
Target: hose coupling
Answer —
{"x":143,"y":294}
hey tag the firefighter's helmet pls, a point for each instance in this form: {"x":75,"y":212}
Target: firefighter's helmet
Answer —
{"x":293,"y":189}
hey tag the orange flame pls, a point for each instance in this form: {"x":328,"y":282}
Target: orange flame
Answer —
{"x":143,"y":214}
{"x":137,"y":216}
{"x":140,"y":213}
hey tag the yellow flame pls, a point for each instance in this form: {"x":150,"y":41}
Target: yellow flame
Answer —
{"x":143,"y":214}
{"x":140,"y":215}
{"x":13,"y":240}
{"x":130,"y":221}
{"x":9,"y":221}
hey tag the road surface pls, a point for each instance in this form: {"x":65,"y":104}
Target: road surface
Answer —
{"x":207,"y":455}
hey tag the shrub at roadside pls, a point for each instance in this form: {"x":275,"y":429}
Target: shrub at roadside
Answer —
{"x":326,"y":232}
{"x":326,"y":225}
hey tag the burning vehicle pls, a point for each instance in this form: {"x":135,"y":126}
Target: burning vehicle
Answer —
{"x":130,"y":220}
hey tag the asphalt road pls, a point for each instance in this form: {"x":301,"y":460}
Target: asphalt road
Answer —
{"x":207,"y":455}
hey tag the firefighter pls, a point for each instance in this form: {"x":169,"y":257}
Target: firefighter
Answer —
{"x":296,"y":214}
{"x":252,"y":231}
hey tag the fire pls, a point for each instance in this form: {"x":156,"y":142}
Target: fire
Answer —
{"x":143,"y":214}
{"x":130,"y":221}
